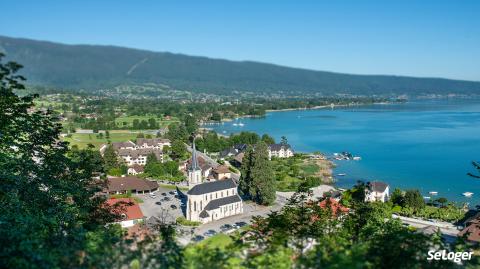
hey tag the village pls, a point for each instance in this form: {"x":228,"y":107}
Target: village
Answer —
{"x":208,"y":202}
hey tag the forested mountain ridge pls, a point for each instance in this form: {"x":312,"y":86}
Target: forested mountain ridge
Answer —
{"x":92,"y":67}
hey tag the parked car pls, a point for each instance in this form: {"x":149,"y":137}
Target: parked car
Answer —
{"x":226,"y":227}
{"x":172,"y":192}
{"x":240,"y":224}
{"x":198,"y":238}
{"x":153,"y":195}
{"x":164,"y":193}
{"x":167,"y":199}
{"x":158,"y":203}
{"x":173,"y":206}
{"x":176,"y":196}
{"x":210,"y":233}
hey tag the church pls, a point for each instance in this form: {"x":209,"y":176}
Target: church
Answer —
{"x":210,"y":200}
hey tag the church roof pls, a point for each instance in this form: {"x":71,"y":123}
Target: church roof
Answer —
{"x":212,"y":186}
{"x":214,"y":204}
{"x":204,"y":214}
{"x":194,"y":166}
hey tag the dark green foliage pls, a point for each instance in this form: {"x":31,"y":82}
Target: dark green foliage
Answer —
{"x":178,"y":150}
{"x":414,"y":199}
{"x":397,"y":197}
{"x":110,"y":158}
{"x":268,"y":139}
{"x":50,"y":216}
{"x":94,"y":67}
{"x":257,"y":181}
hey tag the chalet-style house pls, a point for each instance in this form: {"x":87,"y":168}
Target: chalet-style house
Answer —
{"x":156,"y":143}
{"x":213,"y":200}
{"x":135,"y":169}
{"x":136,"y":153}
{"x":280,"y":151}
{"x":233,"y":151}
{"x":120,"y":185}
{"x":221,"y":172}
{"x":129,"y":211}
{"x":139,"y":156}
{"x":377,"y":191}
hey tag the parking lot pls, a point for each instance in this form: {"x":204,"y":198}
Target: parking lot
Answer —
{"x":164,"y":204}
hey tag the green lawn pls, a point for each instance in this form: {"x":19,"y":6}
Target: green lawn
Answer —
{"x":129,"y":120}
{"x":82,"y":140}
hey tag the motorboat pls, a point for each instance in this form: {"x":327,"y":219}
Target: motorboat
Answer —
{"x":467,"y":194}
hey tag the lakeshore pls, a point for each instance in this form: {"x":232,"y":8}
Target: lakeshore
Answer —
{"x":425,"y":144}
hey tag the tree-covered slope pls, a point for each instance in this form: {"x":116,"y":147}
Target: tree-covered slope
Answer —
{"x":95,"y":67}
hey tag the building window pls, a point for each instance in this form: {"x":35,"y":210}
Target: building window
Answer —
{"x":195,"y":206}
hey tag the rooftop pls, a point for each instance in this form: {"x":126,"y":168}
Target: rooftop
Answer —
{"x":126,"y":206}
{"x":212,"y":187}
{"x":214,"y":204}
{"x":130,"y":183}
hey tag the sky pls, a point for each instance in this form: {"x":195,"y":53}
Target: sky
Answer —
{"x":421,"y":38}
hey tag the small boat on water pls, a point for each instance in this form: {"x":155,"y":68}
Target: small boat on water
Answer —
{"x":426,"y":197}
{"x":357,"y":158}
{"x":235,"y":124}
{"x":341,"y":174}
{"x":241,"y":124}
{"x":467,"y":194}
{"x":433,"y":193}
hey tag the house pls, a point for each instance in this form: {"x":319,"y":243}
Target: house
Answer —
{"x":221,"y":172}
{"x":139,"y":156}
{"x":232,"y":151}
{"x":156,"y":143}
{"x":280,"y":151}
{"x":377,"y":191}
{"x":128,"y":210}
{"x":135,"y":169}
{"x":213,"y":200}
{"x":237,"y":160}
{"x":472,"y":229}
{"x":118,"y":145}
{"x":334,"y":205}
{"x":120,"y":185}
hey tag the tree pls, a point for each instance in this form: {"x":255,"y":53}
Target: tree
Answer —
{"x":268,"y":139}
{"x":50,"y":216}
{"x":177,"y":150}
{"x":246,"y":173}
{"x":107,"y":134}
{"x":414,"y":199}
{"x":190,"y":124}
{"x":110,"y":158}
{"x":442,"y":201}
{"x":262,"y":188}
{"x":397,"y":197}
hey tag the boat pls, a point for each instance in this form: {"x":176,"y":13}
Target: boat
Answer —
{"x":235,"y":124}
{"x":341,"y":174}
{"x":426,"y":197}
{"x":433,"y":193}
{"x":241,"y":124}
{"x":467,"y":194}
{"x":357,"y":158}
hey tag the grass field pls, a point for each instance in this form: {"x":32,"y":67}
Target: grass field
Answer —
{"x":129,"y":120}
{"x":82,"y":140}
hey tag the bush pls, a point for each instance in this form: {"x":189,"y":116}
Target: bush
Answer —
{"x":183,"y":221}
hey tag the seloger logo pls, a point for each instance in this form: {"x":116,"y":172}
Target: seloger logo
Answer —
{"x":451,"y":256}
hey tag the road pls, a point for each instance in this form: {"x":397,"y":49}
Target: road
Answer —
{"x":445,"y":227}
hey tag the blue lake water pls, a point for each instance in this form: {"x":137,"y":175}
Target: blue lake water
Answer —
{"x":427,"y":145}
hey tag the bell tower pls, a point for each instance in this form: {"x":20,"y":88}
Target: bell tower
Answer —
{"x":194,"y":172}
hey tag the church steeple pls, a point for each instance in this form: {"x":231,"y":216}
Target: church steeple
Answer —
{"x":194,"y":165}
{"x":195,"y":172}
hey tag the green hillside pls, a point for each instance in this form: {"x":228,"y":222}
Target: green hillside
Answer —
{"x":96,"y":67}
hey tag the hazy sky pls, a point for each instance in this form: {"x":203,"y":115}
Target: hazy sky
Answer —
{"x":419,"y":38}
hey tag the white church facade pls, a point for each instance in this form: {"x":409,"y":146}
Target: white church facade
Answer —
{"x":213,"y":200}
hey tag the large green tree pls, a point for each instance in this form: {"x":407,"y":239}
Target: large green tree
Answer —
{"x":262,"y":178}
{"x":49,"y":211}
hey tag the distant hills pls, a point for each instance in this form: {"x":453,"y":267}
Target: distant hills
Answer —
{"x":98,"y":67}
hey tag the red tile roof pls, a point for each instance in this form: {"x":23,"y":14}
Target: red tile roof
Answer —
{"x":334,"y":205}
{"x":131,"y":211}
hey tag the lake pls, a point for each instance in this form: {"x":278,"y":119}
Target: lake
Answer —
{"x":428,"y":145}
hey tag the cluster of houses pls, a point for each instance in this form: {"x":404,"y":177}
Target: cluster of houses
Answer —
{"x":135,"y":154}
{"x":236,"y":152}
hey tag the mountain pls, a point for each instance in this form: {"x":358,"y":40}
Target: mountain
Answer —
{"x":91,"y":68}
